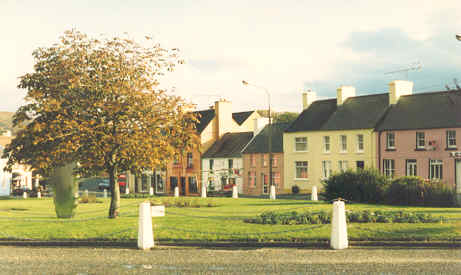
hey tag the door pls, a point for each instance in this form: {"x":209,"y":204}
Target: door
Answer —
{"x":182,"y":187}
{"x":360,"y":164}
{"x":458,"y":176}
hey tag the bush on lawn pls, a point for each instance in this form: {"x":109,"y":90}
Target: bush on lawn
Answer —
{"x":417,"y":191}
{"x":364,"y":185}
{"x":365,"y":216}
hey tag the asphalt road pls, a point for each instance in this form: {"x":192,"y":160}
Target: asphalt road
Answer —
{"x":178,"y":260}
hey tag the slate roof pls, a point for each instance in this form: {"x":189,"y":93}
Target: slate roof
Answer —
{"x":259,"y":144}
{"x":204,"y":118}
{"x":424,"y":111}
{"x":313,"y":117}
{"x":241,"y":116}
{"x":359,"y":112}
{"x":229,"y":145}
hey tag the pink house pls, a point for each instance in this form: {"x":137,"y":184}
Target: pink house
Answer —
{"x":420,"y":135}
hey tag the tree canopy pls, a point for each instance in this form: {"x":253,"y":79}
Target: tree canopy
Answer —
{"x":97,"y":102}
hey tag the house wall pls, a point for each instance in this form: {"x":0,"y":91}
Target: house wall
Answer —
{"x":248,"y":124}
{"x":315,"y":155}
{"x":181,"y":170}
{"x":221,"y":168}
{"x":259,"y":169}
{"x":405,"y":148}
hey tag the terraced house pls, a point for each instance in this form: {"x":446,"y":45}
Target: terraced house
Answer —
{"x":420,"y":136}
{"x":213,"y":124}
{"x":334,"y":135}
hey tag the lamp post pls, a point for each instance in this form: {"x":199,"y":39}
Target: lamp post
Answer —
{"x":270,"y":127}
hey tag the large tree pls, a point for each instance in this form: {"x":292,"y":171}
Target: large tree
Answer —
{"x":97,"y":102}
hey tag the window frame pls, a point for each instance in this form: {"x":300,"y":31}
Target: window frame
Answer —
{"x":418,"y":140}
{"x":301,"y":166}
{"x":412,"y":162}
{"x":453,"y":138}
{"x":252,"y":160}
{"x":389,"y":170}
{"x":326,"y":145}
{"x":343,"y":165}
{"x":390,"y":146}
{"x":343,"y":143}
{"x":439,"y":163}
{"x":326,"y":169}
{"x":305,"y":143}
{"x":360,"y":143}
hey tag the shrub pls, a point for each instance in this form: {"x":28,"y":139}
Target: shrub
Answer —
{"x":295,"y":189}
{"x":364,"y":185}
{"x":417,"y":191}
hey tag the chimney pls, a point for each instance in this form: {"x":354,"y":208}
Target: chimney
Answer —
{"x":223,"y":111}
{"x":259,"y":124}
{"x":308,"y":98}
{"x":399,"y":88}
{"x":343,"y":93}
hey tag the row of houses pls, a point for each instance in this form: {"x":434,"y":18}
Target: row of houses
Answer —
{"x":399,"y":133}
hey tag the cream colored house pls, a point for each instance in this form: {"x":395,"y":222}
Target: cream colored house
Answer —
{"x":332,"y":135}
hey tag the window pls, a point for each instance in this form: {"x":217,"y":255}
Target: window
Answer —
{"x":343,"y":143}
{"x":411,"y":167}
{"x":265,"y":183}
{"x":301,"y":169}
{"x":435,"y":169}
{"x":359,"y":143}
{"x":193,"y":188}
{"x":342,"y":165}
{"x":420,"y":140}
{"x":252,"y":178}
{"x":275,"y":161}
{"x":301,"y":144}
{"x":390,"y":141}
{"x":326,"y":169}
{"x":451,"y":139}
{"x":173,"y":182}
{"x":189,"y":160}
{"x":253,"y":160}
{"x":230,"y":163}
{"x":265,"y":159}
{"x":159,"y":186}
{"x":276,"y":178}
{"x":211,"y":164}
{"x":389,"y":168}
{"x":326,"y":144}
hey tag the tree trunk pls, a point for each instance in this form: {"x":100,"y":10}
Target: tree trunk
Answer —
{"x":114,"y":209}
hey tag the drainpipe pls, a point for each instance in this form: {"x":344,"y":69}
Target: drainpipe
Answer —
{"x":379,"y":150}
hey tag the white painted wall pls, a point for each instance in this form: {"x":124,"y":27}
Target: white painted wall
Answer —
{"x":220,"y":168}
{"x":5,"y":179}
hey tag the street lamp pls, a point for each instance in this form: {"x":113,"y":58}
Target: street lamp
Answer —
{"x":458,"y":36}
{"x":270,"y":127}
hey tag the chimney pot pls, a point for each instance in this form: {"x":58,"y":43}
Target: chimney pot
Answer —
{"x":343,"y":93}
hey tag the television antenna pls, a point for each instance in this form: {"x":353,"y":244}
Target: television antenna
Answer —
{"x":415,"y":66}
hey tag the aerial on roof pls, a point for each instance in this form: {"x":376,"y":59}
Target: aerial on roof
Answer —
{"x":424,"y":111}
{"x":260,"y":143}
{"x":206,"y":116}
{"x":229,"y":145}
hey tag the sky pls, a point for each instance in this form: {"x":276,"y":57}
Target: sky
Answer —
{"x":285,"y":46}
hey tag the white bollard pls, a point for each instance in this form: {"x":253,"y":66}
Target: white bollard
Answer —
{"x":338,"y":226}
{"x":39,"y":195}
{"x":272,"y":192}
{"x":105,"y":193}
{"x":86,"y":193}
{"x":127,"y":190}
{"x":151,"y":191}
{"x":145,"y":232}
{"x":24,"y":195}
{"x":203,"y":190}
{"x":235,"y":193}
{"x":314,"y":196}
{"x":176,"y":192}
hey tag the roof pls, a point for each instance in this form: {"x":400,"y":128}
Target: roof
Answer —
{"x":259,"y":144}
{"x":229,"y":145}
{"x":424,"y":111}
{"x":359,"y":112}
{"x":241,"y":116}
{"x":204,"y":118}
{"x":314,"y":116}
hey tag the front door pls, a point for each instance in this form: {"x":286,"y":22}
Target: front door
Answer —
{"x":458,"y":176}
{"x":360,"y":164}
{"x":182,"y":187}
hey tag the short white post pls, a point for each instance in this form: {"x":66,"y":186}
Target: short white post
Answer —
{"x":127,"y":190}
{"x":338,"y":226}
{"x":235,"y":193}
{"x":145,"y":232}
{"x":24,"y":195}
{"x":314,"y":196}
{"x":151,"y":191}
{"x":105,"y":193}
{"x":272,"y":192}
{"x":76,"y":194}
{"x":176,"y":192}
{"x":86,"y":193}
{"x":39,"y":195}
{"x":203,"y":190}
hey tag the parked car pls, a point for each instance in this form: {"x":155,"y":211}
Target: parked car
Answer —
{"x":103,"y":184}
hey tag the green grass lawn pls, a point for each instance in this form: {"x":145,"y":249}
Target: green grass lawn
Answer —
{"x":35,"y":219}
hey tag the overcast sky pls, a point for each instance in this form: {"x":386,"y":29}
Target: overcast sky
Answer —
{"x":285,"y":46}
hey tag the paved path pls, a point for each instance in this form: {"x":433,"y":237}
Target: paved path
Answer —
{"x":179,"y":260}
